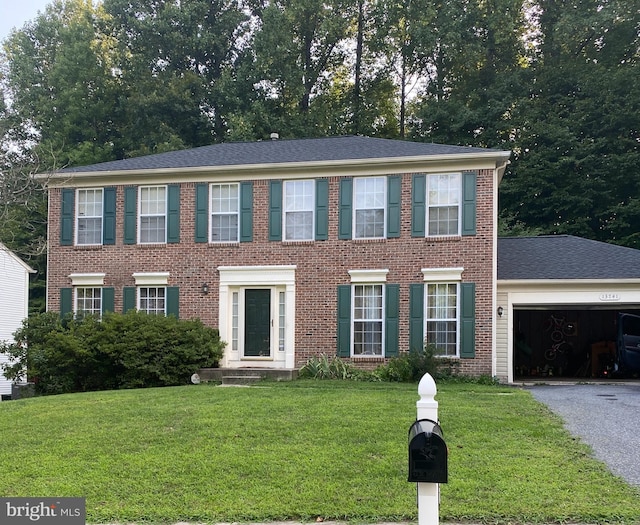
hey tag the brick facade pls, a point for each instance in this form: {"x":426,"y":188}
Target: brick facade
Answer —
{"x":321,"y":266}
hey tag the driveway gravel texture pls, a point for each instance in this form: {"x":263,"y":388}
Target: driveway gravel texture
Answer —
{"x":605,"y":417}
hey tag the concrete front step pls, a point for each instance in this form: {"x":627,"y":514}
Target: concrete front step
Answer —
{"x":274,"y":374}
{"x":240,"y":380}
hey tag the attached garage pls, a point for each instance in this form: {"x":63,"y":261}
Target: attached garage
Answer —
{"x":558,"y":305}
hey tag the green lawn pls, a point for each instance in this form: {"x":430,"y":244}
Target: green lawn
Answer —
{"x":301,"y":450}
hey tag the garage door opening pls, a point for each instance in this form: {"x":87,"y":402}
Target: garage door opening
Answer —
{"x":565,"y":342}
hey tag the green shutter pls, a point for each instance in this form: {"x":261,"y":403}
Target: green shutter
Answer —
{"x":202,"y":212}
{"x":67,"y":217}
{"x":130,"y":214}
{"x":108,"y":300}
{"x":66,"y":301}
{"x":109,"y":216}
{"x":275,"y":210}
{"x":173,"y":301}
{"x":322,"y":209}
{"x":246,"y":212}
{"x":128,"y":299}
{"x":173,"y":213}
{"x":392,"y":320}
{"x":416,"y":317}
{"x":394,"y":195}
{"x":467,"y":320}
{"x":344,"y":321}
{"x":419,"y":205}
{"x":345,"y":219}
{"x":469,"y":182}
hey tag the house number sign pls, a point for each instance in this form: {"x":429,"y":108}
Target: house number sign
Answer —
{"x":608,"y":296}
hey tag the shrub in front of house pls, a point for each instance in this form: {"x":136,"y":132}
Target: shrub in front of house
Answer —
{"x":131,"y":350}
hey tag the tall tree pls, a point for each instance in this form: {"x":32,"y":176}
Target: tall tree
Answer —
{"x":180,"y":51}
{"x":474,"y":62}
{"x":576,"y":164}
{"x":60,"y":83}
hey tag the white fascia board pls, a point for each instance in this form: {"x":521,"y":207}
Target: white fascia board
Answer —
{"x":292,"y":170}
{"x":17,"y":259}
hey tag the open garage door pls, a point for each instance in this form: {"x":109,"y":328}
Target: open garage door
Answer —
{"x":564,"y":341}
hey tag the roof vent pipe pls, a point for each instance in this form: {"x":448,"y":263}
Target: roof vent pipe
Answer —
{"x":274,"y":136}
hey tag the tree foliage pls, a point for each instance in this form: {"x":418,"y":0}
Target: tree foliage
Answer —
{"x":555,"y":81}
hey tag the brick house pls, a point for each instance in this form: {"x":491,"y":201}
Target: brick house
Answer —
{"x":351,"y":246}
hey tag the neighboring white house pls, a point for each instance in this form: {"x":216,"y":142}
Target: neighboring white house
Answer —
{"x":14,"y":298}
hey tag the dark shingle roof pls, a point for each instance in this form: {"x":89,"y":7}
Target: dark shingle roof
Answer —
{"x":281,"y":151}
{"x":565,"y":257}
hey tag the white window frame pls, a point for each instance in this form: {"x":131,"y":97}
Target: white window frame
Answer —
{"x":361,"y":202}
{"x":86,"y":281}
{"x":442,"y":277}
{"x":224,"y":212}
{"x":149,"y":281}
{"x":364,"y":278}
{"x":96,"y":299}
{"x":83,"y":214}
{"x":157,"y":214}
{"x":437,"y":200}
{"x":297,"y":201}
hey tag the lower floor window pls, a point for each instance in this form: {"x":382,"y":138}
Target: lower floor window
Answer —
{"x":152,"y":299}
{"x":88,"y":301}
{"x":442,"y":318}
{"x":368,"y":318}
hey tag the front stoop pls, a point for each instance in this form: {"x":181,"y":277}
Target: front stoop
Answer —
{"x":244,"y":376}
{"x":240,"y":380}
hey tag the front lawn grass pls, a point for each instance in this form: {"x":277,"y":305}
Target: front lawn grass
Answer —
{"x":301,"y":450}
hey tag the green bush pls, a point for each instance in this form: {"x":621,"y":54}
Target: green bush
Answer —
{"x":118,"y":351}
{"x":324,"y":367}
{"x":411,"y":366}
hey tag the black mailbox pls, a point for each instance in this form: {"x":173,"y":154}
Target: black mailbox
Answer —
{"x":427,"y":453}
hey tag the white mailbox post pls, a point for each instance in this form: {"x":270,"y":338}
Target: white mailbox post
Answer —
{"x":428,"y":493}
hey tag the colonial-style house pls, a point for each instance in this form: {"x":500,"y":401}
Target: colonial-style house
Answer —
{"x":14,"y":303}
{"x":350,"y":246}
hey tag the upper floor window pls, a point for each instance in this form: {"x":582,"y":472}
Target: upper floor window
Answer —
{"x":89,"y":216}
{"x":225,"y":208}
{"x":153,"y":214}
{"x":443,"y":204}
{"x":299,"y":207}
{"x":369,"y":202}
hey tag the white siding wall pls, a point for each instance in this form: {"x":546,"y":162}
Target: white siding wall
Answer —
{"x":14,"y":296}
{"x":502,"y":336}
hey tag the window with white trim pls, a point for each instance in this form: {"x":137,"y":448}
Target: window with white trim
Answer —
{"x":153,"y":214}
{"x":299,"y":210}
{"x":368,"y":316}
{"x":88,"y":301}
{"x":152,"y":299}
{"x":443,"y":204}
{"x":369,"y":203}
{"x":225,"y":206}
{"x":441,"y":317}
{"x":89,"y":216}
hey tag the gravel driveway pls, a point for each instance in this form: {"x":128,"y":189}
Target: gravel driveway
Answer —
{"x":605,"y":416}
